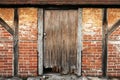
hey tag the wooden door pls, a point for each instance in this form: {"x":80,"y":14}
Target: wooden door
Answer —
{"x":60,"y":40}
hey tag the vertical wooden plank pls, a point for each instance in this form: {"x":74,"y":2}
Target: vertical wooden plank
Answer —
{"x":79,"y":44}
{"x":67,"y":42}
{"x":15,"y":40}
{"x":65,"y":52}
{"x":57,"y":38}
{"x":104,"y":43}
{"x":73,"y":25}
{"x":51,"y":41}
{"x":40,"y":41}
{"x":46,"y":48}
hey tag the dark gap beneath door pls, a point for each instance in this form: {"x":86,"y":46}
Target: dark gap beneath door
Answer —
{"x":52,"y":70}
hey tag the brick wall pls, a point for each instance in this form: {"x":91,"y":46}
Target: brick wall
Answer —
{"x":27,"y":41}
{"x":6,"y":44}
{"x":114,"y":44}
{"x":91,"y":42}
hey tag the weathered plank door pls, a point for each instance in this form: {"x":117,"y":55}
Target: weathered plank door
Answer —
{"x":60,"y":40}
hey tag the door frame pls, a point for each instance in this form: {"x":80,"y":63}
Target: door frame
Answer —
{"x":41,"y":40}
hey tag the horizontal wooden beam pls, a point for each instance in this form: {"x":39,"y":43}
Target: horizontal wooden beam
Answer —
{"x":60,"y":2}
{"x":114,"y":27}
{"x":6,"y":26}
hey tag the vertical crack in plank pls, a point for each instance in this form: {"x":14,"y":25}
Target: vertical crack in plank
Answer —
{"x":40,"y":41}
{"x":15,"y":40}
{"x":104,"y":43}
{"x":79,"y":42}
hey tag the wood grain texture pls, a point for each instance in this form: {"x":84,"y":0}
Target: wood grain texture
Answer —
{"x":15,"y":38}
{"x":40,"y":41}
{"x":60,"y":2}
{"x":60,"y":40}
{"x":104,"y":42}
{"x":79,"y":43}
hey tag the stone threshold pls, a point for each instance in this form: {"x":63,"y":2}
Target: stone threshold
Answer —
{"x":52,"y":76}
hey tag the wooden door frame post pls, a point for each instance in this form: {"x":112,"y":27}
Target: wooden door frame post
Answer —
{"x":40,"y":41}
{"x":79,"y":41}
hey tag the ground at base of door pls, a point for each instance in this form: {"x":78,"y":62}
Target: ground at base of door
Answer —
{"x":59,"y":77}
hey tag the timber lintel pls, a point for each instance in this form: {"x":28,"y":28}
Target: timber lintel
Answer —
{"x":60,"y":2}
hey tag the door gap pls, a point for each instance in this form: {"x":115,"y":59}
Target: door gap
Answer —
{"x":51,"y":70}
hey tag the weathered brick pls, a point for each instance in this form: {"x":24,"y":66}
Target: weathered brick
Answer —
{"x":92,"y":24}
{"x":91,"y":46}
{"x":28,"y":42}
{"x":113,"y":43}
{"x":6,"y":43}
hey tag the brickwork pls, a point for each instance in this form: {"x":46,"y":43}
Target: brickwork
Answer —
{"x":92,"y":41}
{"x":28,"y":42}
{"x":114,"y":44}
{"x":6,"y":44}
